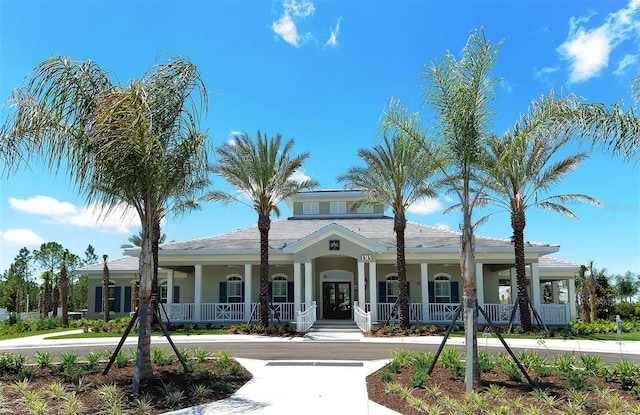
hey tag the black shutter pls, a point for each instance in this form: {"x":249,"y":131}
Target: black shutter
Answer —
{"x":223,"y":292}
{"x":432,"y":291}
{"x":382,"y":291}
{"x":127,"y":299}
{"x":116,"y":299}
{"x":176,"y":294}
{"x":98,"y":308}
{"x":290,"y":292}
{"x":455,"y":295}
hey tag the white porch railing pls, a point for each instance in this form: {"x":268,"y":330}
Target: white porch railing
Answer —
{"x":305,"y":319}
{"x":385,"y":312}
{"x":282,"y":311}
{"x":443,"y":312}
{"x":361,"y":317}
{"x":554,"y":313}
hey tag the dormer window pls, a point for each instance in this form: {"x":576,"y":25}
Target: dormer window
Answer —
{"x":368,"y":209}
{"x":311,"y":208}
{"x":338,"y":207}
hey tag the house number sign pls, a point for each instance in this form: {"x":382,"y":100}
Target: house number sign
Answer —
{"x":366,"y":257}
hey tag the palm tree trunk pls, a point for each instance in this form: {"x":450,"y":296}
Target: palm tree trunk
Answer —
{"x":146,"y":275}
{"x":264,"y":224}
{"x":592,"y":291}
{"x":518,"y":224}
{"x":399,"y":226}
{"x":64,"y":295}
{"x":470,"y":298}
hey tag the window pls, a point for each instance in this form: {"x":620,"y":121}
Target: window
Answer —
{"x":442,"y":288}
{"x":310,"y":208}
{"x":338,"y":207}
{"x":392,"y":289}
{"x":112,"y":296}
{"x":163,"y":288}
{"x":279,"y":289}
{"x":234,"y":289}
{"x":365,"y":209}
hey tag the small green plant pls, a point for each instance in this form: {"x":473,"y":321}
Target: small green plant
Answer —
{"x":512,"y":371}
{"x":403,"y":358}
{"x":57,"y":390}
{"x":201,"y":355}
{"x":392,"y":387}
{"x":43,"y":359}
{"x":72,"y":405}
{"x":68,"y":359}
{"x":486,"y":361}
{"x":121,"y":360}
{"x":418,"y":404}
{"x":592,"y":364}
{"x":143,"y":404}
{"x":434,"y":391}
{"x":496,"y":392}
{"x":450,"y":359}
{"x":386,"y":376}
{"x":200,"y":390}
{"x":93,"y":358}
{"x":223,"y":359}
{"x":564,"y":363}
{"x":174,"y":397}
{"x":162,"y":357}
{"x":418,"y":377}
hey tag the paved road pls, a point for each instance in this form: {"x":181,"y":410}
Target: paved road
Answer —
{"x":265,"y":348}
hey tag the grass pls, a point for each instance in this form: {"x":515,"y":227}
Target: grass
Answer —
{"x":134,"y":333}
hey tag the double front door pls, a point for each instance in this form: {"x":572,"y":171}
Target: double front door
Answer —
{"x":336,"y":300}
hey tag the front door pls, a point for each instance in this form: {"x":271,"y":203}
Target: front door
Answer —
{"x":336,"y":300}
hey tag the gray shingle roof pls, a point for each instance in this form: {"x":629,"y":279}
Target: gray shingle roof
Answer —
{"x":286,"y":232}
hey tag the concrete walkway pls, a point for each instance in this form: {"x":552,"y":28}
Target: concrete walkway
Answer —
{"x":321,"y":387}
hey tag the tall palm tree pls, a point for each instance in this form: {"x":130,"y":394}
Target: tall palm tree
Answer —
{"x":262,"y":172}
{"x":106,"y":307}
{"x":64,"y":289}
{"x":137,"y":144}
{"x":521,"y":171}
{"x":460,"y":93}
{"x":396,"y":174}
{"x":136,"y":240}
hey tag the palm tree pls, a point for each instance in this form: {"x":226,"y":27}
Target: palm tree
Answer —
{"x":137,"y":144}
{"x":582,"y":293}
{"x":460,"y":92}
{"x":395,"y":174}
{"x":262,"y":172}
{"x":106,"y":307}
{"x":626,"y":288}
{"x":521,"y":170}
{"x":136,"y":240}
{"x":64,"y":289}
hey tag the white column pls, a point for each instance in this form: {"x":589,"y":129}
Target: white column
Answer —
{"x":197,"y":295}
{"x":571,"y":294}
{"x":514,"y":285}
{"x":248,"y":279}
{"x":361,"y":294}
{"x":373,"y":292}
{"x":480,"y":289}
{"x":297,"y":287}
{"x":424,"y":287}
{"x":308,"y":285}
{"x":170,"y":287}
{"x":535,"y":284}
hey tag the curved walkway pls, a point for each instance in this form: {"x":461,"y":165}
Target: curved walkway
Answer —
{"x":320,"y":387}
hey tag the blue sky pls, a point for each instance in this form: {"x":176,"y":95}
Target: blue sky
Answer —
{"x":322,"y":72}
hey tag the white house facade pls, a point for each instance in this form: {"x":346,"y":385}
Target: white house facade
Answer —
{"x":330,"y":262}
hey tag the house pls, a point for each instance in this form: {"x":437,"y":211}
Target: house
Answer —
{"x":338,"y":263}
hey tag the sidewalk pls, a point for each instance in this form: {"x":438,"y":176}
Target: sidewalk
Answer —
{"x":320,"y":387}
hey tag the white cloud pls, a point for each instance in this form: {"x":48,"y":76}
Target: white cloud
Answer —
{"x":588,"y":50}
{"x":627,"y":60}
{"x":286,"y":27}
{"x":42,"y":205}
{"x":448,"y":199}
{"x":333,"y":38}
{"x":426,"y":206}
{"x":299,"y":177}
{"x":234,"y":134}
{"x":23,"y":237}
{"x":442,"y":226}
{"x":117,"y":219}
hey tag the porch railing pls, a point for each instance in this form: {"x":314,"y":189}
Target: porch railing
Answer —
{"x":385,"y":311}
{"x":306,"y":319}
{"x":361,"y":317}
{"x":438,"y":313}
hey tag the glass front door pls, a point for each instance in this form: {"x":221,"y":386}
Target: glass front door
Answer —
{"x":336,"y":300}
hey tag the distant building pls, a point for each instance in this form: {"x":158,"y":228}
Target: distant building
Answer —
{"x":329,"y":254}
